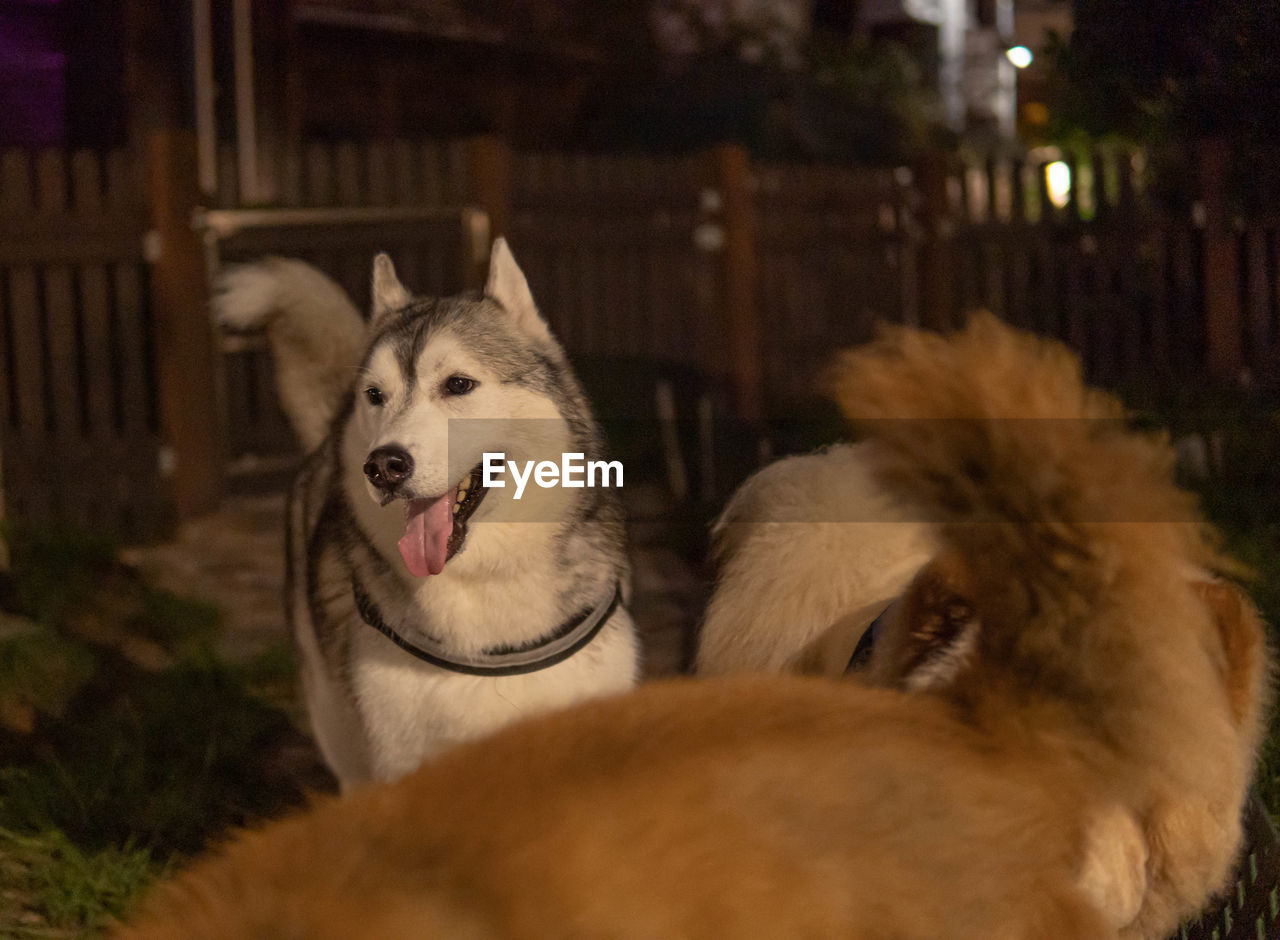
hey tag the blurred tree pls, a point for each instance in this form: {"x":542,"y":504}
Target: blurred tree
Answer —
{"x":704,"y":71}
{"x":859,"y":98}
{"x":1161,"y":73}
{"x":784,"y":77}
{"x":689,"y":73}
{"x":1148,"y":67}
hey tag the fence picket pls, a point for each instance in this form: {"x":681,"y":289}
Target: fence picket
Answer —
{"x":347,"y":163}
{"x":119,"y":178}
{"x":228,"y":192}
{"x":1186,"y":336}
{"x":132,"y":347}
{"x":1100,"y":163}
{"x":60,"y":316}
{"x":97,"y":363}
{"x":319,"y":190}
{"x":291,"y":177}
{"x":404,"y":175}
{"x":1157,"y":326}
{"x":27,"y":354}
{"x":1273,"y":331}
{"x":378,"y":173}
{"x":86,"y":182}
{"x":16,"y":187}
{"x":1257,"y":306}
{"x":51,"y":181}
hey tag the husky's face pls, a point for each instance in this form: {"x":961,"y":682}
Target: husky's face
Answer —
{"x":444,"y":382}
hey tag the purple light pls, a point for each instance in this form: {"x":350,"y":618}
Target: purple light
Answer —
{"x":33,"y":94}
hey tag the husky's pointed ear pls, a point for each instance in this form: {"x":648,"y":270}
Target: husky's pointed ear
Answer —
{"x":507,"y":285}
{"x":389,"y":294}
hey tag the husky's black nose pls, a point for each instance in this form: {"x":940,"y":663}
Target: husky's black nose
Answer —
{"x":388,"y":467}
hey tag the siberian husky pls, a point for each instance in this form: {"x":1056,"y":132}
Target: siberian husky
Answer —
{"x":428,"y":604}
{"x":1101,"y":684}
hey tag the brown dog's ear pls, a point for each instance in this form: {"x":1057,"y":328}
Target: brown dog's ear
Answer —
{"x":930,"y":633}
{"x":1243,"y":645}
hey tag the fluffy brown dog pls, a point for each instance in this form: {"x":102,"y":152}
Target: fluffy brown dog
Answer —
{"x":1096,"y":687}
{"x":827,"y":509}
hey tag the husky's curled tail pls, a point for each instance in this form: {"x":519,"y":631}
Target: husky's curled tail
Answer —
{"x":316,"y":334}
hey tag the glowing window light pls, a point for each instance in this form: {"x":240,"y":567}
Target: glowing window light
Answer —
{"x":1057,"y":178}
{"x":1020,"y":56}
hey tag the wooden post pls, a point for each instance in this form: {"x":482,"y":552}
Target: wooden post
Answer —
{"x":490,"y":180}
{"x":4,"y":542}
{"x":732,"y":173}
{"x":936,"y":267}
{"x":273,"y":68}
{"x":488,"y":189}
{"x":1224,"y":356}
{"x":186,"y":354}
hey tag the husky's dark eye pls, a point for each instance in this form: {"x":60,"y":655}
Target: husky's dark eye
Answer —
{"x":375,"y":396}
{"x":458,"y":384}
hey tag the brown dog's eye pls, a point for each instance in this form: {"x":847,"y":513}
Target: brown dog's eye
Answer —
{"x":458,"y":384}
{"x":374,"y":396}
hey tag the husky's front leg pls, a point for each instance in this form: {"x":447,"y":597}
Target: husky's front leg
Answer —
{"x":336,"y":725}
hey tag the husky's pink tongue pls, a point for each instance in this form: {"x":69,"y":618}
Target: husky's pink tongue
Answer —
{"x":427,"y":527}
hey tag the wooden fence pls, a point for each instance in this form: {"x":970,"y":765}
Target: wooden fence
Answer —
{"x":631,"y":254}
{"x":81,"y":427}
{"x":752,"y":274}
{"x":361,"y":173}
{"x":1137,"y":291}
{"x":836,"y":256}
{"x":746,"y":274}
{"x":609,"y":247}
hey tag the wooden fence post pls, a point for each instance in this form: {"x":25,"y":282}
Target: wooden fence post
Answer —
{"x":186,"y":354}
{"x":1224,"y":356}
{"x":739,"y":275}
{"x":489,"y":185}
{"x":4,"y":543}
{"x":936,"y":270}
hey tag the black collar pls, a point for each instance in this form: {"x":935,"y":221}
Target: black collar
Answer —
{"x":862,"y":652}
{"x":555,"y":647}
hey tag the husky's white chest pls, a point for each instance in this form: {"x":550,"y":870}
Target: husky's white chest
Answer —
{"x":411,"y":709}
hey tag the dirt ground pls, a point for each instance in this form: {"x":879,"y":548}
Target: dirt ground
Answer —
{"x":234,"y":558}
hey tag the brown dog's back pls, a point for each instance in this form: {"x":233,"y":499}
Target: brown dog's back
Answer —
{"x":778,"y":807}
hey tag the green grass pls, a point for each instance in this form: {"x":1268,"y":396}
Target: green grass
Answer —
{"x":168,"y":761}
{"x":125,"y":744}
{"x":43,"y":670}
{"x":53,"y":887}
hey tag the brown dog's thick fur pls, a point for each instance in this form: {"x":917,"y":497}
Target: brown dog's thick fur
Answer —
{"x":1102,"y":684}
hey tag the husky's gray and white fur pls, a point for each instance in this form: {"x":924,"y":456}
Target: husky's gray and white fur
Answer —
{"x":389,"y":507}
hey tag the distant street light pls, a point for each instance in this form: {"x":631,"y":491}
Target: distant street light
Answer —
{"x":1020,"y":56}
{"x":1057,"y":178}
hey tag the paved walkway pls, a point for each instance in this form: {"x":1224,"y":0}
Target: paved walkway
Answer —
{"x":234,"y":558}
